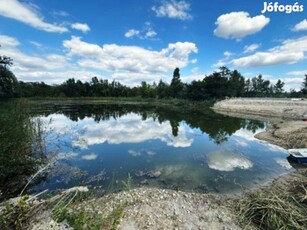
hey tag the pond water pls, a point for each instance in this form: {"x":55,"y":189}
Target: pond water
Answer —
{"x":102,"y":146}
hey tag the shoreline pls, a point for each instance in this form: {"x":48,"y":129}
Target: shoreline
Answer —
{"x":288,"y":128}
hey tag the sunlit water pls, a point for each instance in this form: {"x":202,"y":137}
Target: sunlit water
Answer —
{"x":185,"y":150}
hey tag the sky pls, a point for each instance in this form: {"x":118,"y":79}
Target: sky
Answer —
{"x":131,"y":41}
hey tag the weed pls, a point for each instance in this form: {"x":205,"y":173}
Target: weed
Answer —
{"x":15,"y":216}
{"x":128,"y":184}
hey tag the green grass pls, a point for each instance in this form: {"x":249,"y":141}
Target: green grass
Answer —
{"x":21,"y":145}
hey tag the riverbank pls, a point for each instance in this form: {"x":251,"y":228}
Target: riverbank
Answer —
{"x":288,"y":128}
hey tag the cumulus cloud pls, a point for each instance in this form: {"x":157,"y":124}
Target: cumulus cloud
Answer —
{"x":226,"y":161}
{"x":251,"y":48}
{"x":173,"y":9}
{"x":28,"y":14}
{"x":116,"y":58}
{"x":82,"y":60}
{"x":289,"y":52}
{"x":237,"y":25}
{"x":81,"y":26}
{"x":301,"y":26}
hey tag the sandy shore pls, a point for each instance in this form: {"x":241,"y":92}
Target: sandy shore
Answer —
{"x":288,"y":128}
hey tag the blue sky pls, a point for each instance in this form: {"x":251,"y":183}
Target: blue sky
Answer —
{"x":145,"y":40}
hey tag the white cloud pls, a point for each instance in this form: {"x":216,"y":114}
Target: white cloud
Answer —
{"x":301,"y":26}
{"x":28,"y":15}
{"x":81,"y":26}
{"x":173,"y":9}
{"x":128,"y":64}
{"x":7,"y":41}
{"x":132,"y":33}
{"x":237,"y":25}
{"x":251,"y":48}
{"x":294,"y":82}
{"x":76,"y":47}
{"x":150,"y":34}
{"x":146,"y":33}
{"x":228,"y":54}
{"x":51,"y":68}
{"x":133,"y":59}
{"x":291,"y":51}
{"x":226,"y":161}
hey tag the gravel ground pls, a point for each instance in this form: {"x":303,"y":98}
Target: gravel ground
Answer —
{"x":152,"y":208}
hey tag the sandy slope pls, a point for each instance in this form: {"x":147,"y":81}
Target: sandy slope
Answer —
{"x":287,"y":127}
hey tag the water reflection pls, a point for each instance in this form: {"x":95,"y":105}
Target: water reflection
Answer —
{"x":158,"y":146}
{"x":227,"y":161}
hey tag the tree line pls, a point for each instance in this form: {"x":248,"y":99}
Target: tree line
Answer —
{"x":218,"y":85}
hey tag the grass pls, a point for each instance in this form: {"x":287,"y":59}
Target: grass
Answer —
{"x":275,"y":207}
{"x":21,"y":146}
{"x":15,"y":216}
{"x":88,"y":218}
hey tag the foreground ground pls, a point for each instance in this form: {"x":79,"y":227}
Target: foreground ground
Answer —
{"x":150,"y":208}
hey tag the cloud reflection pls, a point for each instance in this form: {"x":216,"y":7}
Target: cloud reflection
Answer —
{"x":130,"y":129}
{"x":89,"y":157}
{"x":226,"y":161}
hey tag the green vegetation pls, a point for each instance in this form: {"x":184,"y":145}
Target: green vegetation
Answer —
{"x":127,"y":184}
{"x":218,"y":85}
{"x":14,"y":216}
{"x":21,"y":147}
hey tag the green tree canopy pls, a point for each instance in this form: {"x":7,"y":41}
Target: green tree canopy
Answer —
{"x":176,"y":87}
{"x":8,"y":81}
{"x":304,"y":89}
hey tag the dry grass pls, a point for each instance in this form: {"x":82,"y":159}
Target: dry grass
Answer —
{"x":277,"y":207}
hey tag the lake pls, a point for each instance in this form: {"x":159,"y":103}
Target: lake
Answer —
{"x":107,"y":147}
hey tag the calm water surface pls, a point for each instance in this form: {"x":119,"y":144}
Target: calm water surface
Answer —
{"x":102,"y":145}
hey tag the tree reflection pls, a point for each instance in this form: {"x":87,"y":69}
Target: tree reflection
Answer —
{"x":218,"y":127}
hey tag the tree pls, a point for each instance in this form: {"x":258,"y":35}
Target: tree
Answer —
{"x":236,"y":84}
{"x":216,"y":86}
{"x":304,"y":89}
{"x":260,"y":87}
{"x":8,"y":81}
{"x":176,"y":87}
{"x":278,"y":88}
